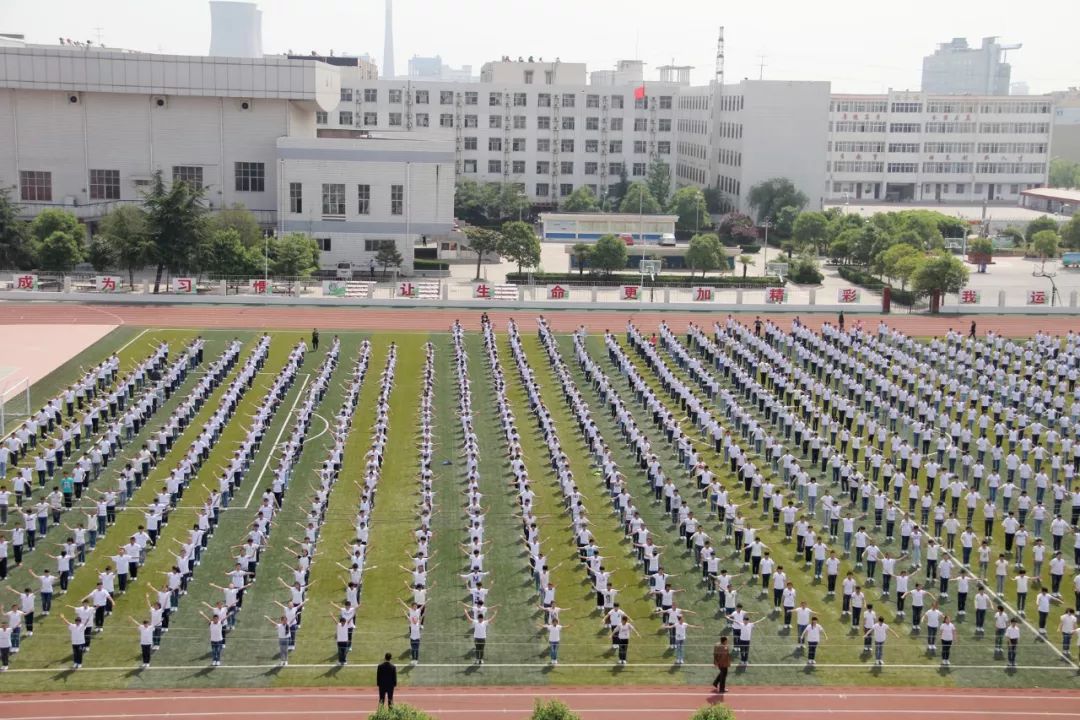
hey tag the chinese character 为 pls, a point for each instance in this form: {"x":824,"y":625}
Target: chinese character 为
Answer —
{"x":630,"y":292}
{"x":108,"y":283}
{"x":703,"y":294}
{"x":483,"y":291}
{"x":557,"y":293}
{"x":184,"y":285}
{"x":969,"y":297}
{"x":406,"y":289}
{"x":25,"y":282}
{"x":847,"y":295}
{"x":259,"y":286}
{"x":776,"y":295}
{"x":1037,"y":297}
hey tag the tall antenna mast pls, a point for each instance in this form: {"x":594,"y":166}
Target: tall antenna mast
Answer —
{"x":720,"y":58}
{"x":761,"y":67}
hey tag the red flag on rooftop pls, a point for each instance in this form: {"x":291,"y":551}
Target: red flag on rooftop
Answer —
{"x":639,"y":92}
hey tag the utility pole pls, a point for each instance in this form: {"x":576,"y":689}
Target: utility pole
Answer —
{"x":761,"y":67}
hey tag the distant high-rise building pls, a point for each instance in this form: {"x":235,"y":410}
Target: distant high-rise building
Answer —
{"x":955,"y":68}
{"x":235,"y":29}
{"x":1019,"y":88}
{"x":388,"y":42}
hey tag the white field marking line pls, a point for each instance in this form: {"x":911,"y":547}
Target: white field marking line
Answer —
{"x":277,"y":440}
{"x":370,"y":704}
{"x":326,"y":428}
{"x":132,"y":341}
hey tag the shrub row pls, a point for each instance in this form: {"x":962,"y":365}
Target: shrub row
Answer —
{"x":613,"y":279}
{"x":860,"y":277}
{"x":544,"y":710}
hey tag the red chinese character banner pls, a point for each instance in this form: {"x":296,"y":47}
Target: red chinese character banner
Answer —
{"x":630,"y":292}
{"x":107,"y":283}
{"x":776,"y":295}
{"x":24,"y":282}
{"x":182,"y":286}
{"x":482,"y":291}
{"x":558,"y":292}
{"x":847,"y":295}
{"x":970,"y":297}
{"x":1036,"y":297}
{"x":702,"y":294}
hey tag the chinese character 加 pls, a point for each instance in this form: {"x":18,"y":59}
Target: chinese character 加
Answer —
{"x":703,"y":294}
{"x":558,"y":292}
{"x":630,"y":292}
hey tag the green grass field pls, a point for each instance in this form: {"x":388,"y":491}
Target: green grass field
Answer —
{"x":517,"y":649}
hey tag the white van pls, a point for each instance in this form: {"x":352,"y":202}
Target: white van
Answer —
{"x":667,"y":240}
{"x":344,"y":271}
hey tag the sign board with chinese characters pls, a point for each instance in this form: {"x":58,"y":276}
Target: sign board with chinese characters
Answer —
{"x":482,"y":291}
{"x":107,"y":283}
{"x":333,"y":288}
{"x":182,"y":285}
{"x":1036,"y":297}
{"x":970,"y":297}
{"x":847,"y":295}
{"x":558,"y":292}
{"x":406,"y":290}
{"x":776,"y":295}
{"x":260,"y":287}
{"x":24,"y":282}
{"x":630,"y":292}
{"x":702,"y":293}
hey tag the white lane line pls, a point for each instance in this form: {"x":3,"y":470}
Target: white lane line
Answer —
{"x":277,"y":440}
{"x":370,"y":704}
{"x":132,"y":341}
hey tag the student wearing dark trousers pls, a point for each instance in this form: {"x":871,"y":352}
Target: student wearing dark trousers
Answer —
{"x":386,"y":679}
{"x":722,"y":661}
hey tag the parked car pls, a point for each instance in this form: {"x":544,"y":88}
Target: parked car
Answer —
{"x":627,"y":238}
{"x":667,"y":240}
{"x":344,"y":271}
{"x":1070,"y":259}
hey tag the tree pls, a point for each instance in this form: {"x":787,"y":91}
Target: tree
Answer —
{"x":706,"y":253}
{"x":714,"y":200}
{"x":243,"y":221}
{"x":1045,"y":222}
{"x":689,"y":204}
{"x":658,"y":181}
{"x":582,"y":253}
{"x":768,"y":197}
{"x":388,"y":256}
{"x":14,"y":252}
{"x":896,"y":257}
{"x":736,"y":229}
{"x":1045,"y":244}
{"x":1070,"y":233}
{"x":295,"y":255}
{"x":581,"y":200}
{"x":1064,"y":173}
{"x":938,"y":274}
{"x":617,"y":191}
{"x":125,"y":230}
{"x":100,"y":254}
{"x":810,"y":231}
{"x":869,"y":242}
{"x":501,"y":201}
{"x":468,"y":204}
{"x":608,"y":254}
{"x":482,"y":241}
{"x":1015,"y":233}
{"x":784,"y":223}
{"x":804,"y":269}
{"x":520,"y":244}
{"x":638,"y":199}
{"x":746,"y":261}
{"x":223,"y":253}
{"x":57,"y":240}
{"x":176,"y":220}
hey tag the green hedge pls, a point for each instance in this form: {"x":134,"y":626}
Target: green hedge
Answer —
{"x":552,"y":710}
{"x":750,"y":249}
{"x":717,"y":281}
{"x":713,"y":712}
{"x":399,"y":712}
{"x":857,"y":276}
{"x":425,"y":264}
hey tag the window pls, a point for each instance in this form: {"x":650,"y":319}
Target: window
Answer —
{"x":568,"y":123}
{"x":446,"y":97}
{"x":541,"y":189}
{"x":520,"y":99}
{"x":566,"y":168}
{"x":617,"y":102}
{"x":902,"y":167}
{"x":333,"y":199}
{"x":470,"y":121}
{"x":346,"y":94}
{"x":639,"y":147}
{"x":961,"y":189}
{"x":105,"y":184}
{"x":469,"y":166}
{"x":376,"y":245}
{"x":250,"y":176}
{"x":590,"y":168}
{"x":494,"y":166}
{"x":906,"y":107}
{"x":191,"y":174}
{"x":421,"y":97}
{"x":395,"y":96}
{"x":395,"y":119}
{"x":904,"y":127}
{"x":548,"y":76}
{"x":543,"y":122}
{"x":470,"y":143}
{"x":615,"y":146}
{"x":446,"y":120}
{"x":639,"y":169}
{"x":296,"y":198}
{"x":664,"y":125}
{"x":949,"y":128}
{"x":616,"y":124}
{"x":592,"y":146}
{"x":422,"y":119}
{"x":323,"y":244}
{"x":528,"y":77}
{"x":861,"y":146}
{"x":864,"y":126}
{"x":371,"y":95}
{"x":363,"y":199}
{"x":397,"y":199}
{"x":640,"y":125}
{"x":568,"y":100}
{"x":320,"y":117}
{"x":665,"y":102}
{"x":543,"y":167}
{"x":543,"y":145}
{"x":543,"y":100}
{"x":903,"y":147}
{"x":36,"y":185}
{"x":494,"y":99}
{"x":592,"y":101}
{"x":615,"y":168}
{"x":664,"y":147}
{"x":520,"y":122}
{"x":959,"y":168}
{"x":471,"y":97}
{"x":566,"y":189}
{"x":371,"y":118}
{"x":592,"y":123}
{"x":345,"y":117}
{"x":517,"y":145}
{"x":495,"y":144}
{"x":566,"y":145}
{"x":494,"y":121}
{"x":518,"y":167}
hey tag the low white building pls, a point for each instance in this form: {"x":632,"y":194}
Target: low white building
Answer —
{"x":590,"y":227}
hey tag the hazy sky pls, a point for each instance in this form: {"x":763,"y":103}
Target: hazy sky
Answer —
{"x":860,"y":46}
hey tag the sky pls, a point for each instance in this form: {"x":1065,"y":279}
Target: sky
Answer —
{"x":860,"y":46}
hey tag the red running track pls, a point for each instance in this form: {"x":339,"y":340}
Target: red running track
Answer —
{"x":299,"y":317}
{"x":514,"y":703}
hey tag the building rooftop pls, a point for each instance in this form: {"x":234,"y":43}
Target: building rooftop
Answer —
{"x":1064,"y":195}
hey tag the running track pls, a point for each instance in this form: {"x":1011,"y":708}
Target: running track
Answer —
{"x":433,"y":319}
{"x":515,"y":703}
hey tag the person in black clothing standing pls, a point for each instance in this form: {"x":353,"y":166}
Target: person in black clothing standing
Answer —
{"x":315,"y":339}
{"x":971,"y":333}
{"x":841,"y":321}
{"x":386,"y":679}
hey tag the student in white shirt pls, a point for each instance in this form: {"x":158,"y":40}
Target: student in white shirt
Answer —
{"x":812,"y":635}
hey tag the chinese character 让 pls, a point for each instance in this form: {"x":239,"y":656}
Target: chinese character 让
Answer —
{"x":406,"y":289}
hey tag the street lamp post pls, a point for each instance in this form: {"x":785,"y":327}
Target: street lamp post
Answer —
{"x":765,"y":248}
